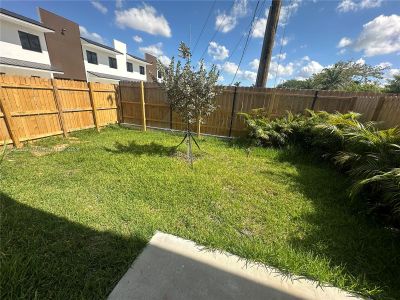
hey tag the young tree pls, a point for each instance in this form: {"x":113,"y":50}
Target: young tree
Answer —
{"x":191,"y":93}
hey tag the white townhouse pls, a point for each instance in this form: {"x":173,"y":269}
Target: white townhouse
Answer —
{"x":23,"y":49}
{"x":107,"y":64}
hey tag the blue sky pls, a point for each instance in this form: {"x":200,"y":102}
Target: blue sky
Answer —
{"x":312,"y":34}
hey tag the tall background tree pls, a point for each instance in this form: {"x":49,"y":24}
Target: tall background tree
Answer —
{"x":393,"y":85}
{"x":344,"y":76}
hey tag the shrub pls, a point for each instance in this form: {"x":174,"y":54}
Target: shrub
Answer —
{"x":370,"y":156}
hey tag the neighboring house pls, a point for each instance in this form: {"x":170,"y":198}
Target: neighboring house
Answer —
{"x":23,"y":49}
{"x":107,"y":64}
{"x":64,"y":45}
{"x":55,"y":49}
{"x":152,"y":68}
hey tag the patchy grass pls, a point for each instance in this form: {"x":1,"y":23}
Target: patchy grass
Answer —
{"x":74,"y":219}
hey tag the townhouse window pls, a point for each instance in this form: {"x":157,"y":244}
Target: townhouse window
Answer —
{"x":112,"y":62}
{"x":141,"y":70}
{"x":91,"y":57}
{"x":29,"y":41}
{"x":129,"y":67}
{"x":159,"y":75}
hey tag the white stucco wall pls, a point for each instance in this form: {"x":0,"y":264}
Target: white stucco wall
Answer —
{"x":103,"y":65}
{"x":10,"y":44}
{"x":15,"y":71}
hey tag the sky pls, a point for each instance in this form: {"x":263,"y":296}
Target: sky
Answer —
{"x":311,"y":35}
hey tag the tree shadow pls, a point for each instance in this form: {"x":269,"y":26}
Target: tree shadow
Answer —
{"x":354,"y":244}
{"x":137,"y":149}
{"x":44,"y":256}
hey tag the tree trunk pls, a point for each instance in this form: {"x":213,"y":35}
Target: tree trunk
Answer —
{"x":198,"y":127}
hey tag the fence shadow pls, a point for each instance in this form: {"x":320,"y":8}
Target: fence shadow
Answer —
{"x":138,"y":149}
{"x":49,"y":257}
{"x":338,"y":231}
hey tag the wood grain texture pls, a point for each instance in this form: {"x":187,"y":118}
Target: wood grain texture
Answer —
{"x":277,"y":102}
{"x":40,"y":107}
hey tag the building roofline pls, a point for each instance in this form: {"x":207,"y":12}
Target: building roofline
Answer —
{"x":138,"y":58}
{"x":23,"y":18}
{"x":6,"y":61}
{"x":112,"y":77}
{"x":100,"y":45}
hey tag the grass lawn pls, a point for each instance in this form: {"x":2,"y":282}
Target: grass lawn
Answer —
{"x":73,"y":220}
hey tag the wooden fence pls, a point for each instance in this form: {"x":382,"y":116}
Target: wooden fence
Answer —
{"x":225,"y":121}
{"x":32,"y":108}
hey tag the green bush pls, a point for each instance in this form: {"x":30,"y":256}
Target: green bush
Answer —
{"x":370,"y":156}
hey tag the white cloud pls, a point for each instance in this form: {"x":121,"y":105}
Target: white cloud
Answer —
{"x":100,"y":7}
{"x":351,"y":5}
{"x":91,"y":35}
{"x":344,"y":42}
{"x":360,"y":61}
{"x":299,"y":69}
{"x":312,"y":67}
{"x":281,"y":56}
{"x":254,"y":64}
{"x":259,"y":28}
{"x":250,"y":76}
{"x":385,"y":65}
{"x":393,"y":72}
{"x":137,"y":39}
{"x":119,"y":3}
{"x":165,"y":60}
{"x":230,"y":67}
{"x":225,"y":22}
{"x":144,"y":19}
{"x":287,"y":11}
{"x":281,"y":70}
{"x":379,"y":36}
{"x":284,"y":41}
{"x":221,"y":79}
{"x":217,"y":52}
{"x":156,"y":50}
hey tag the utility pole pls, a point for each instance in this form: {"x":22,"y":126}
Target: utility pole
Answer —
{"x":268,"y":44}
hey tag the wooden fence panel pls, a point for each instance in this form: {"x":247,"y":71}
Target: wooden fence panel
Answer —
{"x":157,"y":109}
{"x":31,"y":105}
{"x":105,"y":100}
{"x":130,"y":102}
{"x":389,"y":115}
{"x":75,"y":104}
{"x":36,"y":112}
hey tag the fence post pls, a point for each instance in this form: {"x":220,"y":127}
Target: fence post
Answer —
{"x":119,"y":103}
{"x":314,"y":100}
{"x":378,"y":108}
{"x":170,"y":117}
{"x":59,"y":108}
{"x":9,"y":122}
{"x":143,"y":106}
{"x":92,"y":102}
{"x":233,"y":111}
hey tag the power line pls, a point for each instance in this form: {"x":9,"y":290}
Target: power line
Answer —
{"x":249,"y":26}
{"x":216,"y":31}
{"x":204,"y":26}
{"x":247,"y":41}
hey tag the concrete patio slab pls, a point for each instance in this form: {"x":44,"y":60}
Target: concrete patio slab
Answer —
{"x":173,"y":268}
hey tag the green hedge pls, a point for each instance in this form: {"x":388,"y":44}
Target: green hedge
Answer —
{"x":370,"y":156}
